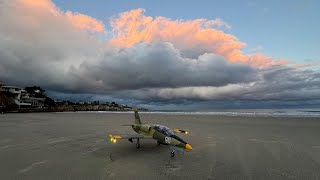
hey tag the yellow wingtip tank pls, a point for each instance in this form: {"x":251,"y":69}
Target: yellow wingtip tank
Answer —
{"x":177,"y":130}
{"x":114,"y":138}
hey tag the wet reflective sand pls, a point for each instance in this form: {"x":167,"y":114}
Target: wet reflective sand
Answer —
{"x":75,"y":146}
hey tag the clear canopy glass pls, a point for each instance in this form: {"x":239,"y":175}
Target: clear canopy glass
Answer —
{"x":164,"y":129}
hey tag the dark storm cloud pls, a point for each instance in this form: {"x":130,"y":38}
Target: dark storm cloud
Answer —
{"x":275,"y":83}
{"x":161,"y":65}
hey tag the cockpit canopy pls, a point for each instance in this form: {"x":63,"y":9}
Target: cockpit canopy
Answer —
{"x":163,"y":129}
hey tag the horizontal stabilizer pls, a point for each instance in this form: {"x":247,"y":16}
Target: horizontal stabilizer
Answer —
{"x":128,"y":125}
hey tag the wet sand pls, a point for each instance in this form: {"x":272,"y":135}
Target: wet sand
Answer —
{"x":75,"y":146}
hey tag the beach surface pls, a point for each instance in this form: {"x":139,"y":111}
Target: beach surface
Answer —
{"x":76,"y":146}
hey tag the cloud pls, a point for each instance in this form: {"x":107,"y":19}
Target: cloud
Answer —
{"x":48,"y":8}
{"x":133,"y":27}
{"x":56,"y":54}
{"x":273,"y":87}
{"x":191,"y":37}
{"x":148,"y":60}
{"x":216,"y":23}
{"x":161,"y":65}
{"x":39,"y":44}
{"x":85,"y":22}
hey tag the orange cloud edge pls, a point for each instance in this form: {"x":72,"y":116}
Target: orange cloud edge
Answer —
{"x":132,"y":27}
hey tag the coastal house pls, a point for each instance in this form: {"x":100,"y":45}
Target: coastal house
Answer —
{"x":22,"y":98}
{"x":19,"y":95}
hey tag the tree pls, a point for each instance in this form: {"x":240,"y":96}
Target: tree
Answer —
{"x":38,"y":92}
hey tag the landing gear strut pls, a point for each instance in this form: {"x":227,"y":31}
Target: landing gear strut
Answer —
{"x":138,"y":143}
{"x":173,"y":153}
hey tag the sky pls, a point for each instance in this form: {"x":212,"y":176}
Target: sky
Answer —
{"x":169,"y":55}
{"x":283,"y":29}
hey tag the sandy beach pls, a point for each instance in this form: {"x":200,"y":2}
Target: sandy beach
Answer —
{"x":75,"y":146}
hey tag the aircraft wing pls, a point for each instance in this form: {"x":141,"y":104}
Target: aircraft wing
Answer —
{"x":177,"y":130}
{"x":113,"y":138}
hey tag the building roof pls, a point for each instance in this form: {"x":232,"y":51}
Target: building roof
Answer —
{"x":14,"y":87}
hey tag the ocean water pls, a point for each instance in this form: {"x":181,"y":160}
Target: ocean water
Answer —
{"x":231,"y":112}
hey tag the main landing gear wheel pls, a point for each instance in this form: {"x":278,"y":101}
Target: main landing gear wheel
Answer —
{"x":173,"y":153}
{"x":138,"y":143}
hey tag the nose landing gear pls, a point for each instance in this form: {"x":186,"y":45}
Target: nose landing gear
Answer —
{"x":138,"y":143}
{"x":173,"y":153}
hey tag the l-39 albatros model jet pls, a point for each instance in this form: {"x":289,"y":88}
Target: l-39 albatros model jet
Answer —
{"x":162,"y":134}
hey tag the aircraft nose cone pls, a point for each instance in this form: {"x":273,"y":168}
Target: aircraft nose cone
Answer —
{"x":188,"y":147}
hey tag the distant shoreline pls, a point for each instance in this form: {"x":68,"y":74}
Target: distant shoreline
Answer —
{"x":71,"y":110}
{"x":244,"y":114}
{"x":240,"y":113}
{"x":47,"y":111}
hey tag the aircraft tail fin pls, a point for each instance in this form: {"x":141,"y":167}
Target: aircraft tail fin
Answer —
{"x":137,"y":117}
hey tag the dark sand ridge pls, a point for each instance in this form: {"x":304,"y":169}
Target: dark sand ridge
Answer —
{"x":75,"y":146}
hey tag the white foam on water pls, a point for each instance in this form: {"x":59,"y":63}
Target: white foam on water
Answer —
{"x":248,"y":113}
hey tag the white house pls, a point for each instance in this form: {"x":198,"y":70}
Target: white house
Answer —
{"x":22,"y":98}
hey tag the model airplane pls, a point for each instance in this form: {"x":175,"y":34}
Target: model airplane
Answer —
{"x":162,"y":134}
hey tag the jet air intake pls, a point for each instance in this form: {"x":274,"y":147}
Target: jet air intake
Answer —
{"x":145,"y":128}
